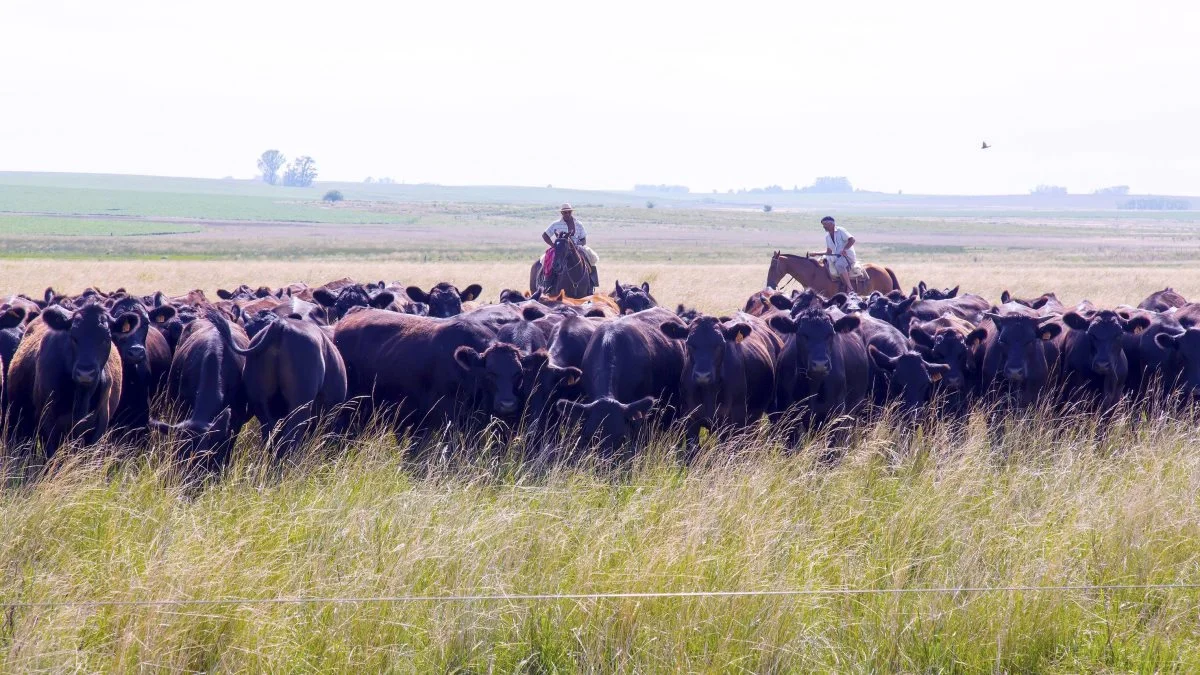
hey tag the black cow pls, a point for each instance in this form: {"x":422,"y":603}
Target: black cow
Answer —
{"x":1045,"y":304}
{"x":12,"y":329}
{"x":910,"y":378}
{"x":823,"y":364}
{"x":1022,"y":351}
{"x":65,"y":379}
{"x":1094,"y":356}
{"x":627,"y":362}
{"x":924,"y":292}
{"x":145,"y":362}
{"x":955,"y":343}
{"x":444,"y":300}
{"x":338,"y":303}
{"x":632,"y":298}
{"x":900,"y":314}
{"x":1185,"y":350}
{"x":728,"y":370}
{"x":528,"y":335}
{"x":205,"y":382}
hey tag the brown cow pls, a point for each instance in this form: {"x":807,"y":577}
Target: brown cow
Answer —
{"x":65,"y":379}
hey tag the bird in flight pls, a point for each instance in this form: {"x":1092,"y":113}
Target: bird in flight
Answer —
{"x":985,"y":146}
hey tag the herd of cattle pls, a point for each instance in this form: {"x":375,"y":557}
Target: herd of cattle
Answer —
{"x":86,"y":366}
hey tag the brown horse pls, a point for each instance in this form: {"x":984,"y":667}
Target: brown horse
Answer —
{"x":570,"y":274}
{"x":812,"y":274}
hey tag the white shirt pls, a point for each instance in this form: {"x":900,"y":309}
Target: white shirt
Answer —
{"x":561,"y":226}
{"x":836,"y":242}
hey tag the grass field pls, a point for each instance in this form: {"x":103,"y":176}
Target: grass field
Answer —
{"x":1050,"y":502}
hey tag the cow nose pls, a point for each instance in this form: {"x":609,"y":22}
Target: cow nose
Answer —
{"x":1017,"y":374}
{"x":819,"y":367}
{"x":505,"y":406}
{"x":703,"y":377}
{"x":1102,"y":366}
{"x":953,"y":382}
{"x":137,"y":353}
{"x":85,"y":375}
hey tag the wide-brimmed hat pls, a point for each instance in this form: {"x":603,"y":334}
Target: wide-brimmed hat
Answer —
{"x":565,"y":207}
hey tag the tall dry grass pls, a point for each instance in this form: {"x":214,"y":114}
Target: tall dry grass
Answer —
{"x":1047,"y":502}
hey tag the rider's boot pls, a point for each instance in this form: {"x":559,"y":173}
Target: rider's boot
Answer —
{"x":595,"y":278}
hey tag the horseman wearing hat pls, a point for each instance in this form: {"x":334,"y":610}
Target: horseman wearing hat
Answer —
{"x":839,"y":251}
{"x":574,"y":229}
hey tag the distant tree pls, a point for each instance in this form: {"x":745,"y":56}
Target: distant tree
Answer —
{"x":1048,"y":191}
{"x":386,"y":181}
{"x":301,"y":173}
{"x":649,"y":204}
{"x":829,"y":185}
{"x":1156,"y":204}
{"x":333,"y":196}
{"x":767,"y":208}
{"x":549,"y":186}
{"x":1115,"y":190}
{"x":269,"y":164}
{"x":368,"y":180}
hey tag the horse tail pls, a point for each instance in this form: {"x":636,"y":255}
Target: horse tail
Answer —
{"x":895,"y":282}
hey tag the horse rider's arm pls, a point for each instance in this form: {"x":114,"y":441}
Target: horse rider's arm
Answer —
{"x":546,"y":238}
{"x":849,"y":244}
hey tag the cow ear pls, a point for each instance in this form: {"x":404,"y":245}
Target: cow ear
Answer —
{"x":737,"y":332}
{"x":936,"y":370}
{"x":838,"y":299}
{"x":1166,"y":340}
{"x":324,"y":297}
{"x":646,"y":286}
{"x":1049,"y":331}
{"x":919,"y":336}
{"x":594,"y":313}
{"x":904,"y":304}
{"x":953,"y":293}
{"x":125,"y":324}
{"x":224,"y":294}
{"x":976,"y":336}
{"x":473,"y":291}
{"x":921,"y":288}
{"x":467,"y":358}
{"x":534,"y":361}
{"x":163,"y":314}
{"x":882,"y":360}
{"x":570,"y":375}
{"x":1005,"y":297}
{"x":57,"y":318}
{"x":847,"y":323}
{"x":417,"y":295}
{"x":532,"y":314}
{"x":781,"y":302}
{"x":639,"y":408}
{"x":1074,"y":321}
{"x":783,"y":324}
{"x":1137,"y":324}
{"x":13,"y":316}
{"x":382,"y":300}
{"x":263,"y":292}
{"x":674,"y":330}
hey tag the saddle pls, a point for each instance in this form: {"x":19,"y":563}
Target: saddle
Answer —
{"x":859,"y":279}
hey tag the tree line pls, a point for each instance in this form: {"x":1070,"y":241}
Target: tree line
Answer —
{"x":300,"y":173}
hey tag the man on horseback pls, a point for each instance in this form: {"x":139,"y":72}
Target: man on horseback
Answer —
{"x":839,"y":251}
{"x":574,"y":229}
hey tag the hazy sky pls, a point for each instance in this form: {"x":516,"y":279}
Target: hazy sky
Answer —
{"x":895,"y":95}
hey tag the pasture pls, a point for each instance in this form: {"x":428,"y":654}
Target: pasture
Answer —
{"x":1060,"y":499}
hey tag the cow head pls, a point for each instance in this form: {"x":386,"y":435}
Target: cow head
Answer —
{"x":1104,"y":333}
{"x":169,"y":321}
{"x":705,"y":340}
{"x":510,"y":296}
{"x":1186,"y":347}
{"x":606,"y":422}
{"x":632,"y":298}
{"x":813,"y":331}
{"x":444,"y":300}
{"x":547,"y":382}
{"x":910,"y":377}
{"x":1019,"y":339}
{"x":949,"y":347}
{"x":497,"y":373}
{"x":338,"y":304}
{"x":131,"y":344}
{"x":242,"y":292}
{"x":91,"y":332}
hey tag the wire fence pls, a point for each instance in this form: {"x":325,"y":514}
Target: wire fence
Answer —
{"x":545,"y":597}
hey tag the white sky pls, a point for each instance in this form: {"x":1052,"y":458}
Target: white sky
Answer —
{"x":894,"y":95}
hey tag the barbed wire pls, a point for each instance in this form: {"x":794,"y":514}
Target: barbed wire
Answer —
{"x":635,"y":595}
